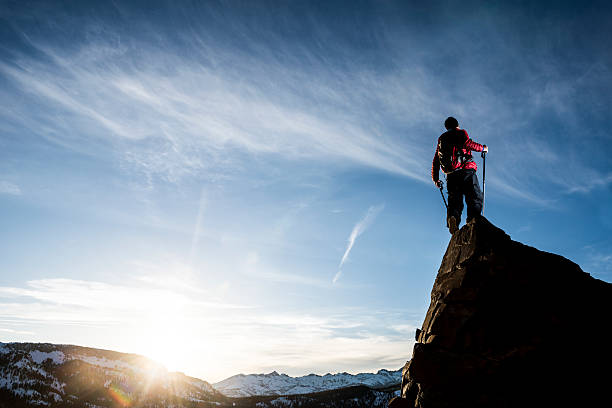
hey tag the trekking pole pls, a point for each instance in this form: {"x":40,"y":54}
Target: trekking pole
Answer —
{"x":442,"y":193}
{"x":484,"y":163}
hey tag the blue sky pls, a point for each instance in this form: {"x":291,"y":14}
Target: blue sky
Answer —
{"x":244,"y":186}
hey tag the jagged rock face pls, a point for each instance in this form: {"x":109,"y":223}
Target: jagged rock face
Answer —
{"x":510,"y":326}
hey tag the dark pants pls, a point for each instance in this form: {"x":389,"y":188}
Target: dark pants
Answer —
{"x":463,"y":183}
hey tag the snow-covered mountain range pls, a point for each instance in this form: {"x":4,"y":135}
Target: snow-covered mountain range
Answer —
{"x":281,"y":384}
{"x":61,"y":376}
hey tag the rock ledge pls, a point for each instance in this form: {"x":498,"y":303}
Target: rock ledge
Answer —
{"x":510,"y":326}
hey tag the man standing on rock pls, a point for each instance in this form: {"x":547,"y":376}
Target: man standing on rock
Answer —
{"x":453,"y":155}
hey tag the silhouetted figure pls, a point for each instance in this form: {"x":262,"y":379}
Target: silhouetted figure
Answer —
{"x":453,"y":155}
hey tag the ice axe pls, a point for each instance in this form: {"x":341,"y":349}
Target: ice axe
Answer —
{"x":441,"y":186}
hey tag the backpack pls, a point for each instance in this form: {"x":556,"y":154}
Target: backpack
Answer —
{"x":451,"y":155}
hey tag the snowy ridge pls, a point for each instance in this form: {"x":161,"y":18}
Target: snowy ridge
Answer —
{"x":46,"y":374}
{"x":281,"y":384}
{"x":56,"y":356}
{"x":35,"y":375}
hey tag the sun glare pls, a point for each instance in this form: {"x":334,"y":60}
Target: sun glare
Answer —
{"x":165,"y":342}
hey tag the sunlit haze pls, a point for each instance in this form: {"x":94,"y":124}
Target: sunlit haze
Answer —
{"x":242,"y":187}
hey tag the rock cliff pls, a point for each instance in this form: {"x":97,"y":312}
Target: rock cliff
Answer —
{"x":510,"y":326}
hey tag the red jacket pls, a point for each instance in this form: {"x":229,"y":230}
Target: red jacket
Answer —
{"x":460,"y":138}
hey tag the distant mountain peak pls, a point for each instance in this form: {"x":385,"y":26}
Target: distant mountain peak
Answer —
{"x":282,"y":384}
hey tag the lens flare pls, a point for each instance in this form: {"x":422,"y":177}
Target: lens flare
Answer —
{"x":120,"y":396}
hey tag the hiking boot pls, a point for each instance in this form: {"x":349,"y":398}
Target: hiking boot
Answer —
{"x":452,"y":224}
{"x":473,"y":219}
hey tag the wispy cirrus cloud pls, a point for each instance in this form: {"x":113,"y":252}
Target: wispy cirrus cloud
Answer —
{"x":177,"y":123}
{"x":585,"y":186}
{"x":13,"y":331}
{"x":6,"y":187}
{"x":99,"y":301}
{"x":176,"y":102}
{"x":358,"y":229}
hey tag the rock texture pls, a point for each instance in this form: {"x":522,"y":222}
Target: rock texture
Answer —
{"x":510,"y":326}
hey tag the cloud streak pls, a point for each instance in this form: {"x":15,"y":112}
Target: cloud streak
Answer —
{"x":6,"y":187}
{"x":170,"y":112}
{"x":178,"y":124}
{"x":92,"y":301}
{"x":358,"y":229}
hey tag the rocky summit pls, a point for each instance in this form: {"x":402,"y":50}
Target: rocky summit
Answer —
{"x":510,"y":326}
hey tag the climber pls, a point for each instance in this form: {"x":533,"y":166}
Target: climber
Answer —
{"x":454,"y":157}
